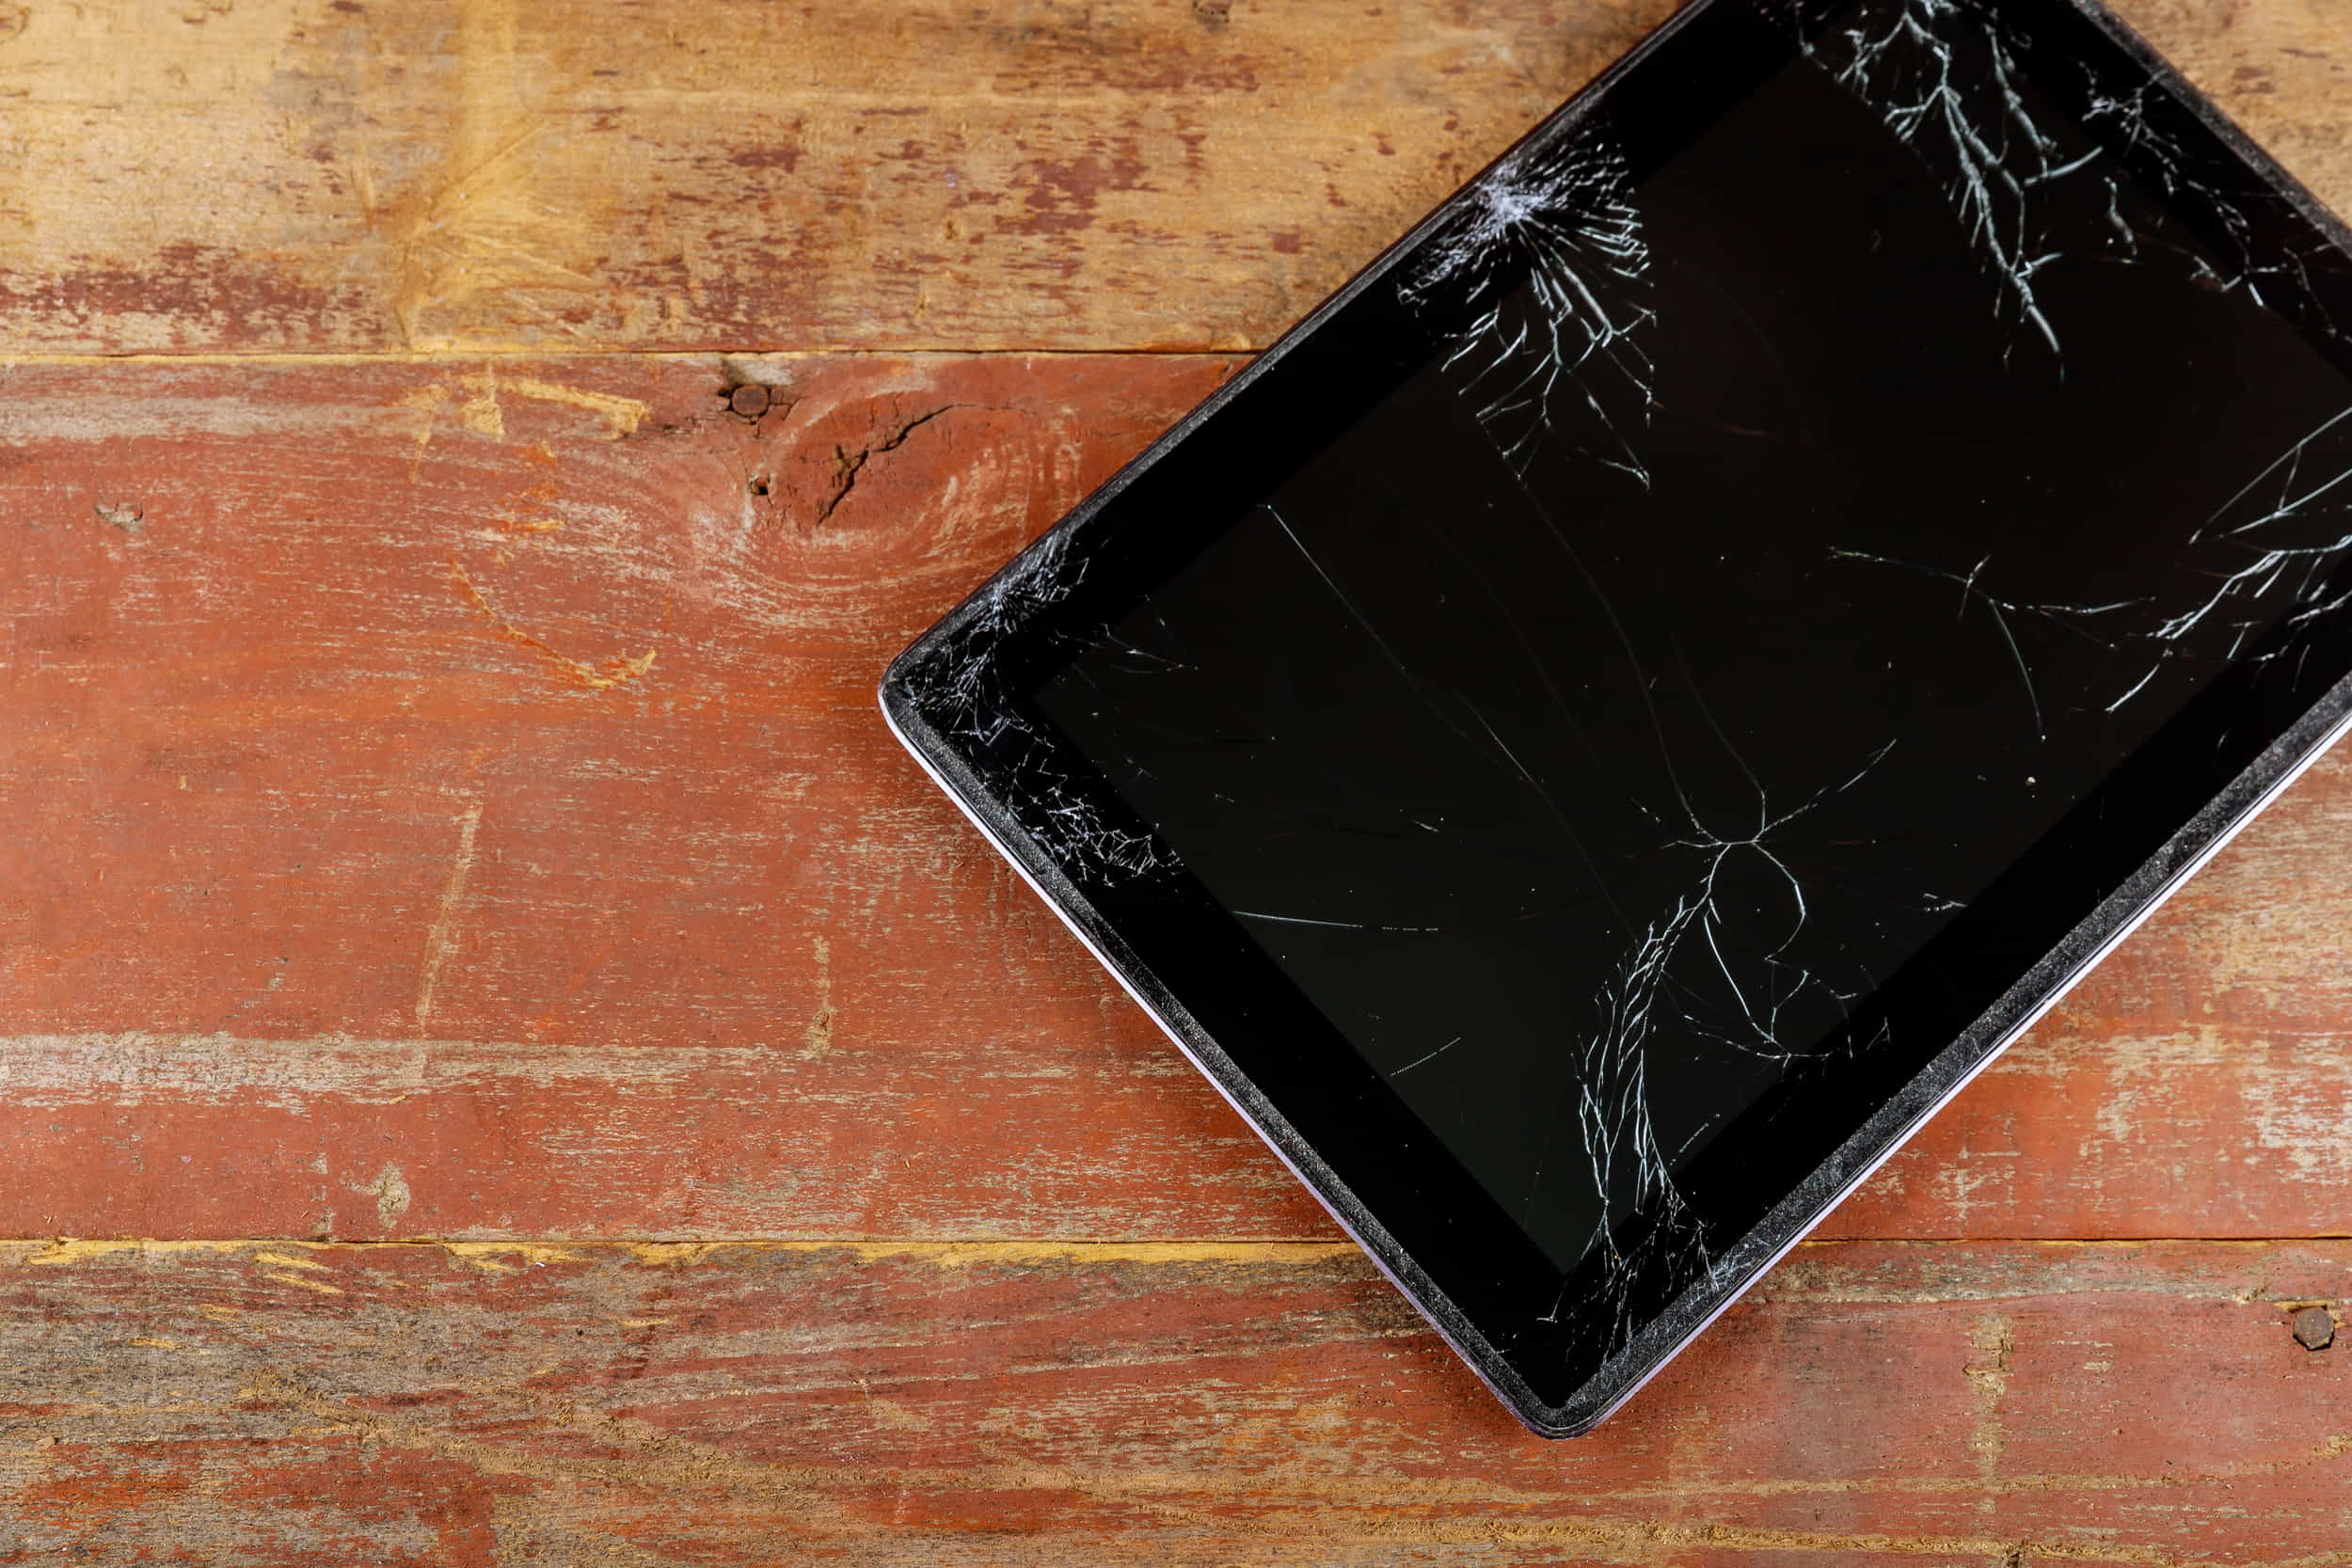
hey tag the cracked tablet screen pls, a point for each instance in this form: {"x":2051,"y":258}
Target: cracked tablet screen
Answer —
{"x":1781,"y":534}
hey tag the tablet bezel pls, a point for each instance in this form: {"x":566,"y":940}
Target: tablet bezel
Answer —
{"x":950,"y":700}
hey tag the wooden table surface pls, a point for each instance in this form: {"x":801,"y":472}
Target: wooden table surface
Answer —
{"x":503,"y":1060}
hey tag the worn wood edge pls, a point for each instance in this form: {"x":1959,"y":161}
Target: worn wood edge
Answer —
{"x":946,"y":1253}
{"x":329,"y":358}
{"x":957,"y":1252}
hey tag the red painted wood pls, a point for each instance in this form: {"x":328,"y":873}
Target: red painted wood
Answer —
{"x":367,"y":880}
{"x":1879,"y":1405}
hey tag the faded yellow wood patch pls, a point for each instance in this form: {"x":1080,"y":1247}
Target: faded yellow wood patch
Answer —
{"x":306,"y":175}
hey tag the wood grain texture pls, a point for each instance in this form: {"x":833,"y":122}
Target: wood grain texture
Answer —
{"x":1882,"y":1405}
{"x":445,"y":798}
{"x":489,"y":174}
{"x":449,"y":801}
{"x":308,"y":175}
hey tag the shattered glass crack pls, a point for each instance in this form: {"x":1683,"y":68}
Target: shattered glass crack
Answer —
{"x":964,"y":691}
{"x":1739,"y":618}
{"x":1944,"y":78}
{"x":1549,"y":252}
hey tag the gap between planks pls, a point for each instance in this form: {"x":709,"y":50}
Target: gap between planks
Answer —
{"x":946,"y":1254}
{"x":521,"y":354}
{"x":955,"y":1253}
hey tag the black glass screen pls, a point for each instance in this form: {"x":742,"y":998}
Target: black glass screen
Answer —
{"x":1784,"y":546}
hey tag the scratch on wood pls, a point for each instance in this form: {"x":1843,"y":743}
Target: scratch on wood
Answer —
{"x":618,"y":671}
{"x":319,"y":1285}
{"x":817,"y":1039}
{"x":438,"y":939}
{"x":484,"y":414}
{"x":284,"y":1261}
{"x":1989,"y":1341}
{"x":428,"y":401}
{"x":508,"y":1257}
{"x":621,"y":415}
{"x":479,"y":412}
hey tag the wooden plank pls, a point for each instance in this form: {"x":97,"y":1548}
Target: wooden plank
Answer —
{"x":433,"y":705}
{"x":307,"y":174}
{"x":480,"y":173}
{"x":446,"y":800}
{"x":2011,"y":1404}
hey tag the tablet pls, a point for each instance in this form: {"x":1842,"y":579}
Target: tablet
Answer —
{"x":1602,"y":730}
